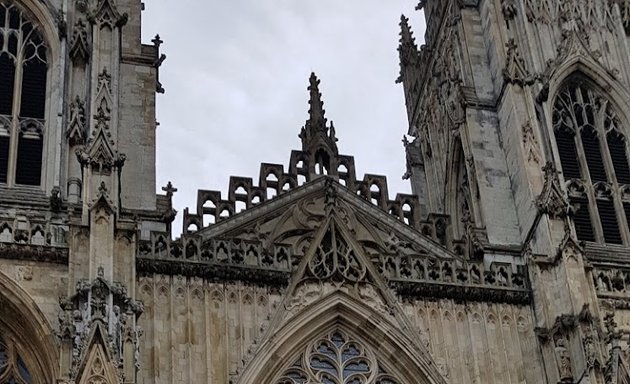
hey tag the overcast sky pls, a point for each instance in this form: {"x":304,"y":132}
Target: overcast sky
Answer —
{"x":236,"y":75}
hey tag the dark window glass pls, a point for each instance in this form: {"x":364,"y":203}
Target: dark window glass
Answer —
{"x":4,"y":158}
{"x":29,"y":161}
{"x":608,"y":219}
{"x":617,"y":148}
{"x":582,"y":219}
{"x":568,"y":155}
{"x":593,"y":154}
{"x":33,"y":89}
{"x":7,"y":78}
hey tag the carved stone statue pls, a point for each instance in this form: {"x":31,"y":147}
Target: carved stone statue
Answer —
{"x":563,"y":359}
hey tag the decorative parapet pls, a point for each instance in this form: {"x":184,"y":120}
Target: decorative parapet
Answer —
{"x":420,"y":276}
{"x":216,"y":259}
{"x":611,"y":282}
{"x":412,"y":277}
{"x":22,"y":238}
{"x":212,"y":208}
{"x":44,"y":254}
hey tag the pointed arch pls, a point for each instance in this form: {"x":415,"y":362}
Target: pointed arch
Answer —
{"x":458,"y":186}
{"x":399,"y":355}
{"x":44,"y":14}
{"x":23,"y":321}
{"x":599,"y":78}
{"x":591,"y":131}
{"x":97,"y":367}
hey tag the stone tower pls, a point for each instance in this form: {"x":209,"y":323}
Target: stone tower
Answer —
{"x":517,"y":111}
{"x":77,"y":187}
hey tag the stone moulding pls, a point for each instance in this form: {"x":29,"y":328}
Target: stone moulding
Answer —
{"x":411,"y":290}
{"x":407,"y":289}
{"x":27,"y":252}
{"x":213,"y":271}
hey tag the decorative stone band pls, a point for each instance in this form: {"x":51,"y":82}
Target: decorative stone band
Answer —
{"x":213,"y":271}
{"x":412,"y":290}
{"x":28,"y":252}
{"x":421,"y":276}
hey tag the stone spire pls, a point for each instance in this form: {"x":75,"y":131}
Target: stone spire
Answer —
{"x":407,"y":49}
{"x":316,"y":119}
{"x":316,"y":133}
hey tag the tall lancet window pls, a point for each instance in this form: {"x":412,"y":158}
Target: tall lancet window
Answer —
{"x":23,"y":77}
{"x":594,"y":157}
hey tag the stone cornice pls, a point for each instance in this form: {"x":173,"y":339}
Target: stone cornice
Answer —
{"x":28,"y":252}
{"x":423,"y":290}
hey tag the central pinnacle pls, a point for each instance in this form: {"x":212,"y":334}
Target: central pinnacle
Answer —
{"x":316,"y":119}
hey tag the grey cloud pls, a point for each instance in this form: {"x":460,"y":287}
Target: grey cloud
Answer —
{"x":236,"y":78}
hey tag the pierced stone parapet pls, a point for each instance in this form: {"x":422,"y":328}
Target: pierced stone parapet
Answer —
{"x":274,"y":181}
{"x":411,"y":276}
{"x":612,"y":282}
{"x":36,"y":240}
{"x":44,"y":254}
{"x":216,"y":259}
{"x":422,"y":276}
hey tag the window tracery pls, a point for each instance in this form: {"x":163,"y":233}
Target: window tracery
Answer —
{"x":594,"y":160}
{"x":23,"y":77}
{"x":336,"y":358}
{"x":13,"y":369}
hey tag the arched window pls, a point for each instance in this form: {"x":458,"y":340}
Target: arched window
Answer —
{"x":594,"y":159}
{"x":336,"y":358}
{"x":23,"y":72}
{"x":13,"y":369}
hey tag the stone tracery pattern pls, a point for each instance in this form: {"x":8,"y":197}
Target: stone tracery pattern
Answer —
{"x":13,"y":370}
{"x":589,"y":140}
{"x":23,"y":67}
{"x":335,"y":259}
{"x":337,"y":358}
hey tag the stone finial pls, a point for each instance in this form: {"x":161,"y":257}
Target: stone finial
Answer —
{"x":169,"y":189}
{"x":157,"y":41}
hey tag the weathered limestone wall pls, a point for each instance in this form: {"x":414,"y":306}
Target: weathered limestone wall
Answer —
{"x":44,"y":282}
{"x":197,"y":331}
{"x":136,"y":135}
{"x":479,"y":342}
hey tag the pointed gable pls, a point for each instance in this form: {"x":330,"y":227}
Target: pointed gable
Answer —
{"x":346,"y":228}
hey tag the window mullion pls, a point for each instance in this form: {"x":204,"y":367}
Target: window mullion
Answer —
{"x":15,"y":124}
{"x":590,"y":193}
{"x":612,"y":176}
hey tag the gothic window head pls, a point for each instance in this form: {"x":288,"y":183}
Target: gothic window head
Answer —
{"x":13,"y":369}
{"x":593,"y":149}
{"x":23,"y":78}
{"x":336,"y":358}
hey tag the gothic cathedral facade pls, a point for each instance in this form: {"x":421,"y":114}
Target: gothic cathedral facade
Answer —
{"x":508,"y":264}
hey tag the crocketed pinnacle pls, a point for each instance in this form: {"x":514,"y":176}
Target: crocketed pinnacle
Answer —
{"x":407,"y":49}
{"x":315,"y":132}
{"x":316,"y":119}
